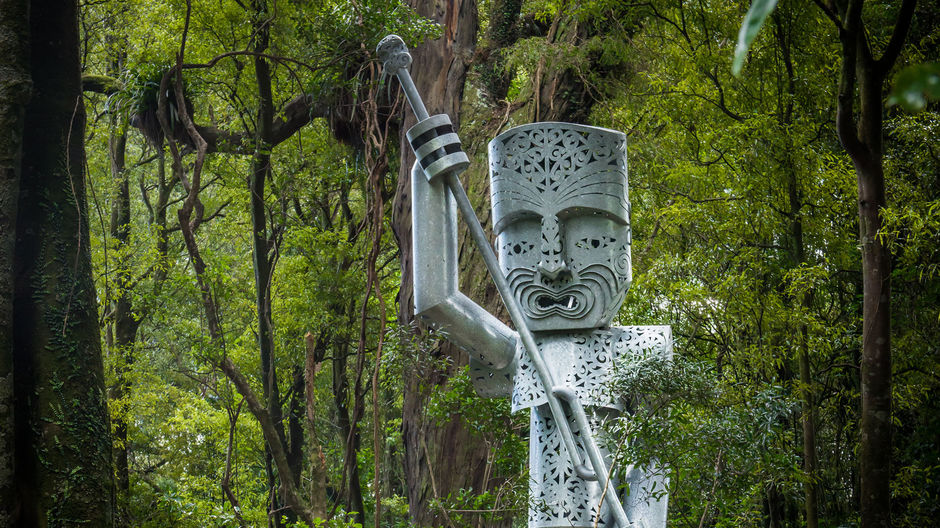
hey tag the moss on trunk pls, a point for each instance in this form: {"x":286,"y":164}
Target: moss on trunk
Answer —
{"x":63,"y":448}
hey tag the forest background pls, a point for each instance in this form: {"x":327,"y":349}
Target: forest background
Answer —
{"x":205,"y":236}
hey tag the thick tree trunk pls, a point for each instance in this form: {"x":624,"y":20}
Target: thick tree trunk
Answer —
{"x":63,"y":440}
{"x":875,"y":448}
{"x":439,"y":459}
{"x":15,"y":88}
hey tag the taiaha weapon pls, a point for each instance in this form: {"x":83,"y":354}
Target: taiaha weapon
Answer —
{"x":438,"y":151}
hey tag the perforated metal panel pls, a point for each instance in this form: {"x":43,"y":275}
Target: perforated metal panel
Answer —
{"x":561,"y":213}
{"x":558,"y":497}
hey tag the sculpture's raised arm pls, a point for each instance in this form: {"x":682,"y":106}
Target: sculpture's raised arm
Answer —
{"x":438,"y":301}
{"x":437,"y":297}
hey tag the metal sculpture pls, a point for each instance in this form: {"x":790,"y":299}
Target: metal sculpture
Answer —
{"x":561,"y":216}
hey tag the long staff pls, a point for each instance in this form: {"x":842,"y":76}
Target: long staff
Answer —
{"x":396,"y":59}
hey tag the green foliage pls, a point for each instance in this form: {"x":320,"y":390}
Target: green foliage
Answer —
{"x":141,"y":84}
{"x":717,"y":438}
{"x":915,"y":85}
{"x":505,"y":433}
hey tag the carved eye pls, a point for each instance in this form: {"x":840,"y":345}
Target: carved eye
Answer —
{"x":595,"y":243}
{"x":518,"y":248}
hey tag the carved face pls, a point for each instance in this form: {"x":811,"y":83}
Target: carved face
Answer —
{"x":561,"y":215}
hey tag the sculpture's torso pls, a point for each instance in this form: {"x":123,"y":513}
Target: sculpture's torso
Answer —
{"x":584,"y":362}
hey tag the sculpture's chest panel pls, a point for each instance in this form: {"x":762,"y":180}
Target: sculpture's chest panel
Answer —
{"x":584,"y":361}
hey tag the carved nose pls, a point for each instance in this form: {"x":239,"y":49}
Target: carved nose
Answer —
{"x":552,"y":269}
{"x":552,"y":264}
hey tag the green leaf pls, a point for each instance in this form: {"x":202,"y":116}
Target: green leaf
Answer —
{"x":916,"y":84}
{"x":753,"y":21}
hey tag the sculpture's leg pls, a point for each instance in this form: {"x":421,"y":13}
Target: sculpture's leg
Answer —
{"x":558,"y":497}
{"x":648,"y":498}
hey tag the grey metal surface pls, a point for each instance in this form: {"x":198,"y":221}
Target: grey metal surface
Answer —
{"x":561,"y":213}
{"x":583,"y":362}
{"x":437,"y":300}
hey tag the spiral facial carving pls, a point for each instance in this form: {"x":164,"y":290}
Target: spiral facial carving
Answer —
{"x":561,"y":211}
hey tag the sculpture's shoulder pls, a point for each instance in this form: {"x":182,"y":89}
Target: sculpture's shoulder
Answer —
{"x":642,"y":341}
{"x":490,"y":382}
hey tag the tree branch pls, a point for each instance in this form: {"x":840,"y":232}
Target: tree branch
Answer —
{"x":901,"y":28}
{"x":269,"y":431}
{"x":845,"y":120}
{"x":293,"y":116}
{"x":830,"y":14}
{"x":101,"y":84}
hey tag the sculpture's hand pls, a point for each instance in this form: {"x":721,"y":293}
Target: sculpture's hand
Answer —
{"x":393,"y":53}
{"x":437,"y":147}
{"x":433,"y":139}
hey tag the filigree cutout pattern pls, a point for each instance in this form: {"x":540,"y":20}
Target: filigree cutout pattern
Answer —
{"x":563,"y":188}
{"x":558,"y":165}
{"x":585,"y":362}
{"x":558,"y":497}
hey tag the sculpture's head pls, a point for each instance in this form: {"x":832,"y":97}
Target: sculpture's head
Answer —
{"x":561,"y":216}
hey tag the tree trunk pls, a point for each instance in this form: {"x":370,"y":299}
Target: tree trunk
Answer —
{"x":313,"y":361}
{"x":502,"y":32}
{"x":562,"y":95}
{"x":260,"y":245}
{"x":861,"y":136}
{"x":350,"y":437}
{"x":439,"y":459}
{"x":63,"y":441}
{"x":295,"y":425}
{"x":15,"y":88}
{"x":125,"y":321}
{"x":798,"y":258}
{"x":774,"y":502}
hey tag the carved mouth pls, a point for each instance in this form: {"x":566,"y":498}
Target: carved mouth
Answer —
{"x":571,"y":303}
{"x":563,"y":303}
